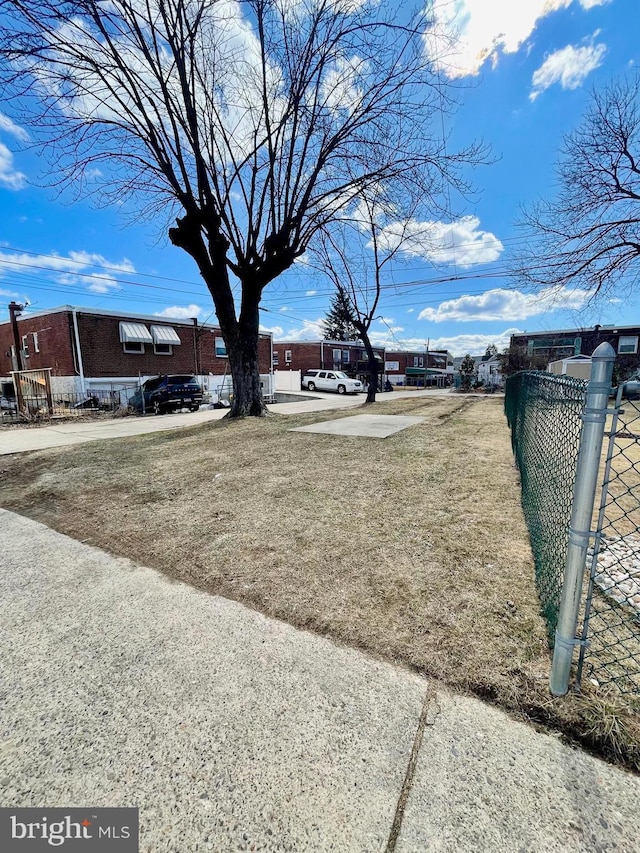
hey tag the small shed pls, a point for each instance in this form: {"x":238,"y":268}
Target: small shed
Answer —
{"x":578,"y":366}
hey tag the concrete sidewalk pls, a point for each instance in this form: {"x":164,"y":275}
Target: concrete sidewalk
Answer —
{"x":65,"y":433}
{"x":235,"y":732}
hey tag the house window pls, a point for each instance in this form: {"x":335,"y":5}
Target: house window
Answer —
{"x":628,"y":344}
{"x":421,"y":361}
{"x":36,"y":345}
{"x":276,"y":358}
{"x":25,"y":347}
{"x":134,"y":336}
{"x":337,"y":354}
{"x":345,"y":356}
{"x":415,"y":361}
{"x":221,"y":348}
{"x":164,"y":339}
{"x":287,"y":356}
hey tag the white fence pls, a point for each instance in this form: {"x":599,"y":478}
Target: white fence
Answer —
{"x":287,"y":380}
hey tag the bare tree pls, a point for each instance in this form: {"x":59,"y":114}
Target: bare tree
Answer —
{"x":253,"y":122}
{"x":356,"y":248}
{"x":589,"y":235}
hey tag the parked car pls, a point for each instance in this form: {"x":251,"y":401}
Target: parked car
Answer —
{"x":330,"y":380}
{"x":167,"y":394}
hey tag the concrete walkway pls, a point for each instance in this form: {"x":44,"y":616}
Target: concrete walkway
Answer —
{"x":234,"y":732}
{"x":64,"y":433}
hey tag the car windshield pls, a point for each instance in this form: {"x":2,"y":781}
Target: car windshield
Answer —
{"x":182,"y":380}
{"x":341,"y":375}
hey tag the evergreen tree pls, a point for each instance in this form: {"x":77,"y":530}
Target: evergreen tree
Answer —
{"x":338,"y":325}
{"x":467,"y":369}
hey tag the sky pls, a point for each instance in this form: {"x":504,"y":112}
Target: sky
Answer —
{"x":523,"y":72}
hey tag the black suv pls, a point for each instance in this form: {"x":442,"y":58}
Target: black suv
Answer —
{"x":167,"y":394}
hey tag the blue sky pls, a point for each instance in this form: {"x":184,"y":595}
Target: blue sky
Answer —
{"x":524,"y":70}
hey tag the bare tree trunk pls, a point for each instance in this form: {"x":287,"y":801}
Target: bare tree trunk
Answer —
{"x":241,"y":335}
{"x":373,"y":364}
{"x":242,"y":349}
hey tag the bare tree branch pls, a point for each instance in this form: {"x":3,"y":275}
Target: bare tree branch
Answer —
{"x":589,"y":235}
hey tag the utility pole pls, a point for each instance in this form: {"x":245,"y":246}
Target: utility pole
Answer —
{"x":15,"y":310}
{"x":426,"y":364}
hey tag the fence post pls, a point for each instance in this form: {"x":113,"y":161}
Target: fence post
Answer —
{"x":584,"y":491}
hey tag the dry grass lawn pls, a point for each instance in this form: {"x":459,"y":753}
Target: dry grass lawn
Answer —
{"x":413,"y":548}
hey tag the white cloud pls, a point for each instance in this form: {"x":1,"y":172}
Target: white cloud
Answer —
{"x":569,"y":67}
{"x":468,"y":33}
{"x":499,"y":304}
{"x":311,"y":330}
{"x":473,"y":344}
{"x":77,"y":268}
{"x":276,"y":331}
{"x":8,"y":126}
{"x":9,"y":176}
{"x":102,"y":284}
{"x":459,"y":242}
{"x":179,"y":312}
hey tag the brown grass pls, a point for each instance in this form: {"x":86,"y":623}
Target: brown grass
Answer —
{"x":413,"y":548}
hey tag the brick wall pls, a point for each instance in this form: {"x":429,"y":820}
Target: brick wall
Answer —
{"x":309,"y":355}
{"x":103,"y":354}
{"x":552,"y":347}
{"x":304,"y":356}
{"x":54,"y":340}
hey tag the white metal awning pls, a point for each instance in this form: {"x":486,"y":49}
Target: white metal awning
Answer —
{"x":165,"y":335}
{"x":134,"y":333}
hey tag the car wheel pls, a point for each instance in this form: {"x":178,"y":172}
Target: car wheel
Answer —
{"x":156,"y":407}
{"x":194,"y":408}
{"x":342,"y":389}
{"x":311,"y":386}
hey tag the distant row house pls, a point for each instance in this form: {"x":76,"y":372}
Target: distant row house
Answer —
{"x":419,"y":368}
{"x":569,"y":350}
{"x":398,"y":367}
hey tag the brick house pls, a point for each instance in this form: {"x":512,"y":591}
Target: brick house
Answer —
{"x":349,"y":356}
{"x":538,"y":349}
{"x":90,"y":350}
{"x":409,"y":368}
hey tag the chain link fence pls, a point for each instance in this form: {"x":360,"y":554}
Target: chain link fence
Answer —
{"x":544,"y":414}
{"x":610,"y":651}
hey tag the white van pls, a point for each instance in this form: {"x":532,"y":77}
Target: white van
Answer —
{"x":330,"y":380}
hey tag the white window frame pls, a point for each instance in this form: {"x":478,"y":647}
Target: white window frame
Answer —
{"x":287,"y":356}
{"x":36,"y":343}
{"x":220,"y":347}
{"x":337,"y":357}
{"x":627,"y":340}
{"x":276,"y":358}
{"x":415,"y":361}
{"x":420,"y":361}
{"x":126,"y":347}
{"x":169,"y":350}
{"x":25,"y":346}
